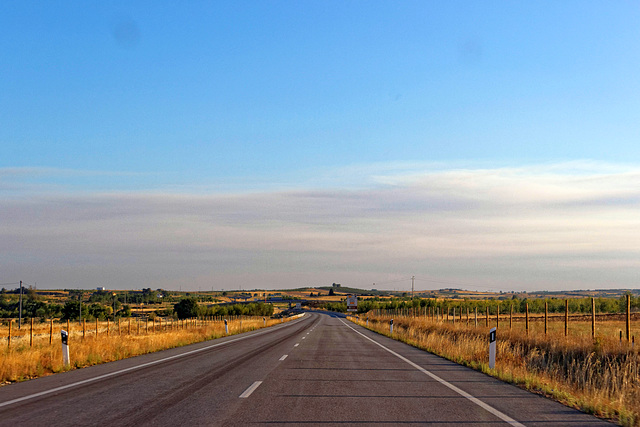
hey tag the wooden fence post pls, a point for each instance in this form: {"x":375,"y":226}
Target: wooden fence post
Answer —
{"x":497,"y":315}
{"x":107,"y":326}
{"x":31,"y":334}
{"x":96,"y":327}
{"x":475,"y":310}
{"x":51,"y":332}
{"x":511,"y":316}
{"x":546,"y":314}
{"x":526,"y":306}
{"x":9,"y":338}
{"x":84,"y":327}
{"x":628,"y":317}
{"x":593,"y":318}
{"x":566,"y":317}
{"x":487,"y":317}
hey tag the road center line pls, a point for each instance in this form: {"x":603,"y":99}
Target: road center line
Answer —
{"x":461,"y":392}
{"x":250,"y":390}
{"x":143,"y":365}
{"x":283,"y":357}
{"x":296,"y":344}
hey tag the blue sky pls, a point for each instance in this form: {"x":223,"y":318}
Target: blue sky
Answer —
{"x":121,"y":110}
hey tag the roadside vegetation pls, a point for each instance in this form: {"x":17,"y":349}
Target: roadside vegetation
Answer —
{"x":110,"y":325}
{"x":38,"y":353}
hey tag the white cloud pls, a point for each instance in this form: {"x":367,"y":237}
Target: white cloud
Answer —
{"x":548,"y":226}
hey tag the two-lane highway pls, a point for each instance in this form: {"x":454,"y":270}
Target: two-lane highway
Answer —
{"x":320,"y":369}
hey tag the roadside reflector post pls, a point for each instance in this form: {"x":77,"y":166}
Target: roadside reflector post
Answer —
{"x":391,"y":326}
{"x":226,"y":327}
{"x":65,"y":347}
{"x":492,"y":348}
{"x":264,"y":321}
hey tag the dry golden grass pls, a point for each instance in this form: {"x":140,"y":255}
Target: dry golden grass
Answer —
{"x":21,"y":361}
{"x":601,"y":377}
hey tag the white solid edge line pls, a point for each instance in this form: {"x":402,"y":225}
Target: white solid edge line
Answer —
{"x":133,"y":368}
{"x":461,"y":392}
{"x":283,"y":357}
{"x":250,"y":390}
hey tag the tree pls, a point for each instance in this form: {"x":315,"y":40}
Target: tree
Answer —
{"x":71,"y":309}
{"x":125,"y":312}
{"x":331,"y":293}
{"x":186,"y":308}
{"x":98,"y":311}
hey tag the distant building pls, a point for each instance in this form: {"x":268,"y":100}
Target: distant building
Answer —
{"x":102,"y":288}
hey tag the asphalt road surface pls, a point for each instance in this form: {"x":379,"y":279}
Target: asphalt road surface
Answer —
{"x":317,"y":370}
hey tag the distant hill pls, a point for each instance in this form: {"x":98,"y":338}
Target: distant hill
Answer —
{"x":354,"y":291}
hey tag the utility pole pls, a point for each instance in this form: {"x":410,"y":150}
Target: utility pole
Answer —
{"x":20,"y":318}
{"x":413,"y":278}
{"x":80,"y":307}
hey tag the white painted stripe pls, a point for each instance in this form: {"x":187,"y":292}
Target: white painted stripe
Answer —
{"x":303,"y":337}
{"x":250,"y":390}
{"x":284,"y":357}
{"x":461,"y":392}
{"x":144,"y":365}
{"x":296,"y":344}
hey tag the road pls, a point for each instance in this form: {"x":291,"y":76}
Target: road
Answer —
{"x":316,"y":370}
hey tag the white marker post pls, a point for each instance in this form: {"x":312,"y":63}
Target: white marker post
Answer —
{"x":264,"y":321}
{"x":226,"y":327}
{"x":65,"y":347}
{"x":492,"y":348}
{"x":391,"y":327}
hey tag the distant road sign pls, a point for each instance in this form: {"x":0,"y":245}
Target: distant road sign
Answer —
{"x":352,"y":303}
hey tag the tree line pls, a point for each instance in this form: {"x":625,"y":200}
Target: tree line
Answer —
{"x":101,"y":304}
{"x":536,"y":305}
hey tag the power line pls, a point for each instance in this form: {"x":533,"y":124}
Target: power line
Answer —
{"x":445,"y":282}
{"x":393,"y":281}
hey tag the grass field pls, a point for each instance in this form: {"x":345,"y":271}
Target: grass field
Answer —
{"x":25,"y":358}
{"x":600,"y":377}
